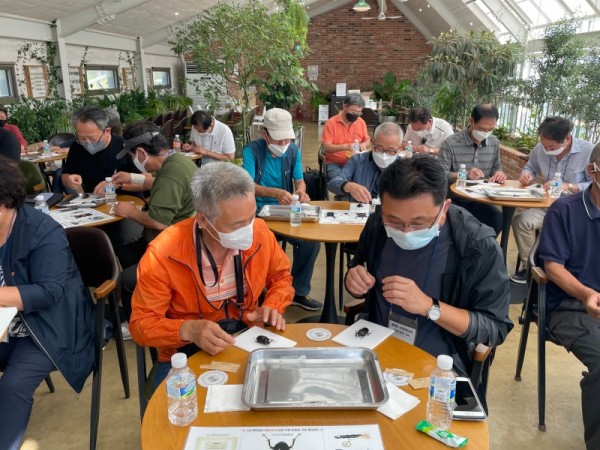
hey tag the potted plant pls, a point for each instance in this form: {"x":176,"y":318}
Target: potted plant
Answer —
{"x":389,"y":114}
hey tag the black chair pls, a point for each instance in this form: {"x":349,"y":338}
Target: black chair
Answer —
{"x":159,"y":120}
{"x":534,"y":310}
{"x":62,"y":140}
{"x":145,"y":379}
{"x":99,"y":268}
{"x":167,"y":129}
{"x":371,"y":118}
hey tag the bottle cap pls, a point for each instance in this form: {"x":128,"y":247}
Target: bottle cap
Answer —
{"x":45,"y":141}
{"x":295,"y":197}
{"x":557,"y":174}
{"x":176,"y":136}
{"x":179,"y":360}
{"x":463,"y":166}
{"x":444,"y":362}
{"x":108,"y":179}
{"x":39,"y":198}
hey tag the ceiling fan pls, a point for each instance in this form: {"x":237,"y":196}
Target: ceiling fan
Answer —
{"x":381,"y":15}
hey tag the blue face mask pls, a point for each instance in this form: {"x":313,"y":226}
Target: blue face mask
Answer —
{"x":414,"y":240}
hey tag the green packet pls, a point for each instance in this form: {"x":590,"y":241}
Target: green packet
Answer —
{"x":451,"y":440}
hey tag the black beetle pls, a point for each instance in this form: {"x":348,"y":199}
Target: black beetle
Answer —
{"x":263,"y":340}
{"x":362,"y":333}
{"x":280,"y":445}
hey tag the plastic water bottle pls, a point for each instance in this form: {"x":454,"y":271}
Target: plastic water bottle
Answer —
{"x":46,"y":149}
{"x":408,"y":151}
{"x":556,"y":186}
{"x":295,"y":211}
{"x":461,"y":180}
{"x":109,"y":192}
{"x":181,"y":392}
{"x":356,"y":146}
{"x":374,"y":203}
{"x":442,"y":391}
{"x":177,"y":143}
{"x":41,"y":205}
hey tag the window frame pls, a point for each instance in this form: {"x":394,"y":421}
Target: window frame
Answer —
{"x":167,"y":70}
{"x":113,"y":69}
{"x":12,"y":83}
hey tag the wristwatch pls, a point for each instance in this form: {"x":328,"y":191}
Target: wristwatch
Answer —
{"x":434,"y":312}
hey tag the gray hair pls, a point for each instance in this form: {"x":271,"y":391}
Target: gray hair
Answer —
{"x":389,"y":129}
{"x":354,"y":99}
{"x":595,"y":156}
{"x":90,"y":114}
{"x":218,"y":182}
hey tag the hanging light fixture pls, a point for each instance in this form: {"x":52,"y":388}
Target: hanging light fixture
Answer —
{"x":361,"y":6}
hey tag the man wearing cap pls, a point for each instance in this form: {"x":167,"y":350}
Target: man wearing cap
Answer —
{"x":275,"y":164}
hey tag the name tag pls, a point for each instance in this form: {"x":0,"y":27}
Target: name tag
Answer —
{"x":404,"y":328}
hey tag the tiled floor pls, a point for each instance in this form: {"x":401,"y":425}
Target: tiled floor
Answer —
{"x":60,"y":421}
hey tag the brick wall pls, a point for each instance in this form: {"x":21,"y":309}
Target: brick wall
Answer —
{"x":359,"y":52}
{"x":512,"y":161}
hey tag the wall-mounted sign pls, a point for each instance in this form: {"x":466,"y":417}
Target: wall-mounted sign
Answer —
{"x":36,"y":79}
{"x":76,"y":80}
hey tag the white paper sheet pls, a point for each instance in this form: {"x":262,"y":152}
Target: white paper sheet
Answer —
{"x":6,"y":315}
{"x":399,"y":402}
{"x":223,"y":398}
{"x":77,"y":217}
{"x":247,"y":340}
{"x":355,"y":437}
{"x":354,"y":337}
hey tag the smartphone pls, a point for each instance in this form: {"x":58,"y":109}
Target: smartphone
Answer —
{"x":468,"y":406}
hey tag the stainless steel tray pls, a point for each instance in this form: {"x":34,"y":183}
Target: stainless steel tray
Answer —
{"x":515,"y":195}
{"x":313,"y":378}
{"x":282,"y":213}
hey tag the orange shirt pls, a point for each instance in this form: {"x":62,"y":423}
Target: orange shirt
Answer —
{"x":337,"y":132}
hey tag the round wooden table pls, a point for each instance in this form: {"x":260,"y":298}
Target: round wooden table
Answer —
{"x":159,"y":434}
{"x":104,"y":208}
{"x":331,"y":235}
{"x":508,"y":208}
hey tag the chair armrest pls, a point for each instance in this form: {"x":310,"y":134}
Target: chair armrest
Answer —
{"x":539,"y":275}
{"x":481,"y":352}
{"x":104,"y":289}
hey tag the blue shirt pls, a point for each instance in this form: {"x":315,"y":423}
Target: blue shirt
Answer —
{"x":572,"y":167}
{"x":271,"y":176}
{"x":360,"y":169}
{"x":425,"y":266}
{"x":571,"y":236}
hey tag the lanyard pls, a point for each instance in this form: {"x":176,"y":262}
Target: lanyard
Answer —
{"x":562,"y":175}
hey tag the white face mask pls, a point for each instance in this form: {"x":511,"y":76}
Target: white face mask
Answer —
{"x":556,"y":152}
{"x":422,"y":133}
{"x":383,"y":159}
{"x":240,"y":239}
{"x":278,"y":150}
{"x":141,"y":166}
{"x":481,"y":135}
{"x":414,"y":240}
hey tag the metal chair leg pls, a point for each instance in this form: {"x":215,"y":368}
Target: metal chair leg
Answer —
{"x":120,"y":344}
{"x":50,"y":384}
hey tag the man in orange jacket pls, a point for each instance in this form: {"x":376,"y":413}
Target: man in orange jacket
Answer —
{"x":200,"y":279}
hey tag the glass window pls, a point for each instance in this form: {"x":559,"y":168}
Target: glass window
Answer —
{"x":161,"y":77}
{"x":8,"y":93}
{"x":100,"y":79}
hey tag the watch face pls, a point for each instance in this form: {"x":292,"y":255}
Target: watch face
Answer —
{"x":433,"y":313}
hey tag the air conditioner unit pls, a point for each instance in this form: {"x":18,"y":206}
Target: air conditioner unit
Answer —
{"x":196,"y":84}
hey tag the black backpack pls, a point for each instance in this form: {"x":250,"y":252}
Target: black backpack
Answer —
{"x":315,"y":184}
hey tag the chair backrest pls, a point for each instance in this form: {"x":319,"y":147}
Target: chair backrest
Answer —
{"x":94,"y":255}
{"x":62,"y":140}
{"x":159,"y":120}
{"x":167,"y":129}
{"x":370,"y":117}
{"x":34,"y":179}
{"x":179,"y":127}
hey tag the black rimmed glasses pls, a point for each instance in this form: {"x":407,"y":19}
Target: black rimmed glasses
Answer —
{"x":388,"y":151}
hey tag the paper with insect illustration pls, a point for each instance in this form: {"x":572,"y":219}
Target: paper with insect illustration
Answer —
{"x":357,"y":336}
{"x":247,"y":340}
{"x":355,"y":437}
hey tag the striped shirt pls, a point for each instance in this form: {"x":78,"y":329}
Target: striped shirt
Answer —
{"x":460,"y":149}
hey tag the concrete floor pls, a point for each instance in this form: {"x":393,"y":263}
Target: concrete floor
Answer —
{"x":60,"y":421}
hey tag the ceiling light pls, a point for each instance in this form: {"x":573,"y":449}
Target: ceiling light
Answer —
{"x":361,"y":6}
{"x":420,"y":10}
{"x":176,"y":13}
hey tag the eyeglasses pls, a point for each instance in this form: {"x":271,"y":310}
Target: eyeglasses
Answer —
{"x":355,"y":113}
{"x":79,"y":141}
{"x":388,"y":151}
{"x":416,"y":226}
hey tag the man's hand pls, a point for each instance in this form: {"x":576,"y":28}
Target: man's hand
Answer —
{"x":187,"y":147}
{"x":205,"y":334}
{"x":526,"y":178}
{"x":358,"y":192}
{"x":283,"y":197}
{"x":498,"y":177}
{"x":475,"y":174}
{"x":73,"y":181}
{"x":405,"y":293}
{"x":592,"y":305}
{"x":421,"y":149}
{"x":99,"y":189}
{"x":200,"y":150}
{"x":302,"y":196}
{"x":121,"y":178}
{"x":267,"y":315}
{"x":124,"y":209}
{"x":364,"y":145}
{"x":359,"y":281}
